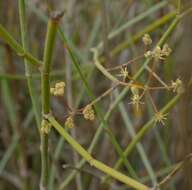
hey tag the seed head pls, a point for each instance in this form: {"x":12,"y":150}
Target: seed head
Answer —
{"x":177,"y":86}
{"x":58,"y":90}
{"x":159,"y":118}
{"x":162,"y":54}
{"x":135,"y":100}
{"x":157,"y":53}
{"x":147,"y":39}
{"x":89,"y":113}
{"x":166,"y":51}
{"x":148,"y":54}
{"x":52,"y":90}
{"x":45,"y":126}
{"x":60,"y":85}
{"x":124,"y":73}
{"x":69,"y":123}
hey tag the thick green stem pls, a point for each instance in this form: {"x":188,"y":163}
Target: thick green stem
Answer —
{"x":45,"y":93}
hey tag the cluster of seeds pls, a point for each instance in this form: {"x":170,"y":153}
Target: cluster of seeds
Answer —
{"x":147,"y":40}
{"x":159,"y":53}
{"x":135,"y":99}
{"x":159,"y":118}
{"x":45,"y":126}
{"x":177,"y":86}
{"x":58,"y":90}
{"x":124,"y":73}
{"x":69,"y":123}
{"x":88,"y":113}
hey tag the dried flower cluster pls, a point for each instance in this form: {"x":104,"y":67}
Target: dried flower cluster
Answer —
{"x":69,"y":123}
{"x":58,"y":90}
{"x":159,"y":117}
{"x":177,"y":86}
{"x":147,"y":40}
{"x":89,"y":113}
{"x":159,"y":53}
{"x":45,"y":126}
{"x":135,"y":99}
{"x":124,"y":73}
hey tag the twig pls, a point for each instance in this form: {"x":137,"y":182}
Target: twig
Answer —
{"x":125,"y":64}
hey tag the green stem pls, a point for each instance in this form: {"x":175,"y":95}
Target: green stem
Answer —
{"x":139,"y":147}
{"x":28,"y":72}
{"x":17,"y":47}
{"x":93,"y":162}
{"x":177,"y":17}
{"x":22,"y":19}
{"x":144,"y":130}
{"x":148,"y":29}
{"x":9,"y":152}
{"x":45,"y":94}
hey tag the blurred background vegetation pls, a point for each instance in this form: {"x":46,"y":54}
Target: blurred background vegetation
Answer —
{"x":120,"y":26}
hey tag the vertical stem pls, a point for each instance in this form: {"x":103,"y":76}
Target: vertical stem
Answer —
{"x":45,"y":90}
{"x":22,"y":19}
{"x":28,"y":72}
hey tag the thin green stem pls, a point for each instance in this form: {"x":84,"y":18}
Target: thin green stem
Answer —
{"x":140,"y":149}
{"x":9,"y":152}
{"x":22,"y":19}
{"x":156,"y":24}
{"x":45,"y":93}
{"x":145,"y":129}
{"x":28,"y":71}
{"x":17,"y":47}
